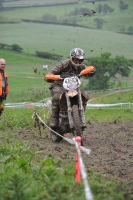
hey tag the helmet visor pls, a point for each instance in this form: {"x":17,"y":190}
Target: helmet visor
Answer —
{"x":77,"y":61}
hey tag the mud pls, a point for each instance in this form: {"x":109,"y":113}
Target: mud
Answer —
{"x":111,"y":147}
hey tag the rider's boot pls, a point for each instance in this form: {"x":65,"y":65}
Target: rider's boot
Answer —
{"x":83,"y":126}
{"x":54,"y":121}
{"x":84,"y":100}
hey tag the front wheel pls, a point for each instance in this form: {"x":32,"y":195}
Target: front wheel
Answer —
{"x":77,"y":120}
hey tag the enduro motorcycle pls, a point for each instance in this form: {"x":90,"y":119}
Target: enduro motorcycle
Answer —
{"x":72,"y":106}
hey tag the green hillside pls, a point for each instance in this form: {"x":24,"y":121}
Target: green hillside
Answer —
{"x":76,"y":14}
{"x":36,"y":3}
{"x":61,"y":39}
{"x":23,"y":59}
{"x":59,"y":29}
{"x":26,"y":85}
{"x":112,"y":97}
{"x":58,"y":38}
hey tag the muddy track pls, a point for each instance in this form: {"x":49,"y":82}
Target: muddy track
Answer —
{"x":111,"y":147}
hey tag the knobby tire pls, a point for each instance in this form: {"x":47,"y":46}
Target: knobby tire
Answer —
{"x":76,"y":120}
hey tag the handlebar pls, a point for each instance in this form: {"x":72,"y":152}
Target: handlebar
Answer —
{"x":88,"y":70}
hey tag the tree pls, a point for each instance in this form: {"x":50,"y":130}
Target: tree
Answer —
{"x":122,"y":29}
{"x":122,"y":5}
{"x":81,"y":11}
{"x":48,"y":55}
{"x":49,"y":18}
{"x":107,"y":68}
{"x":16,"y":47}
{"x":130,"y":30}
{"x":99,"y":8}
{"x":99,"y":23}
{"x":107,"y":8}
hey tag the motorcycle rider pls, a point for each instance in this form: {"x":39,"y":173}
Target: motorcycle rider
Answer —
{"x":63,"y":69}
{"x":3,"y":84}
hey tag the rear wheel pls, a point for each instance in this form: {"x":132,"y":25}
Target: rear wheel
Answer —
{"x":77,"y":120}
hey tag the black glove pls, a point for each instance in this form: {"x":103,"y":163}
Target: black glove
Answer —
{"x":63,"y":76}
{"x":90,"y":74}
{"x":3,"y":97}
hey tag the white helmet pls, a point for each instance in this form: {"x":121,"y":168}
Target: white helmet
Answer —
{"x":77,"y":53}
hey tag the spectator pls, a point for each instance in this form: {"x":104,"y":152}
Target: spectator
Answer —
{"x":3,"y":84}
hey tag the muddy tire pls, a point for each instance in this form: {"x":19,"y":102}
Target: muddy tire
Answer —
{"x":77,"y":121}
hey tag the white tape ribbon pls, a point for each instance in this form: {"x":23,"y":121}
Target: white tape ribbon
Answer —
{"x":88,"y":193}
{"x":87,"y":190}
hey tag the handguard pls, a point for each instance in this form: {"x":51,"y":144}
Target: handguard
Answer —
{"x":52,"y":77}
{"x":87,"y":70}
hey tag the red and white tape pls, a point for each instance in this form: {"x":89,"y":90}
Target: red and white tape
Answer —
{"x":80,"y":167}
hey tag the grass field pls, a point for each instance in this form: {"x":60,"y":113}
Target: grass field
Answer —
{"x":112,"y":21}
{"x":31,"y":167}
{"x":52,"y":38}
{"x":24,"y":59}
{"x":121,"y":96}
{"x":34,"y":2}
{"x":31,"y":173}
{"x":26,"y":85}
{"x":57,"y":39}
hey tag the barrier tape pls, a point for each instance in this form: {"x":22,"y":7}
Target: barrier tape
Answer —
{"x":79,"y":162}
{"x":67,"y":139}
{"x":80,"y":166}
{"x":42,"y":104}
{"x":110,"y":105}
{"x":87,"y":151}
{"x":39,"y":104}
